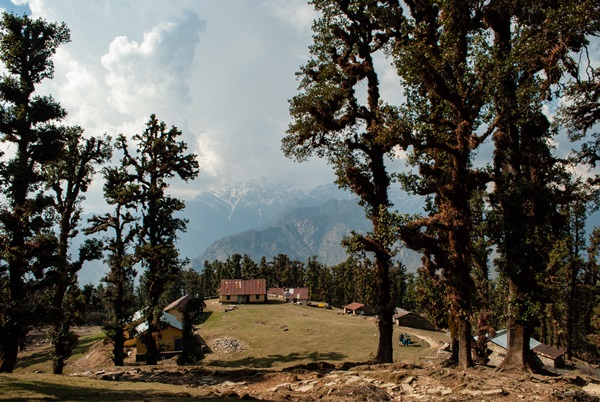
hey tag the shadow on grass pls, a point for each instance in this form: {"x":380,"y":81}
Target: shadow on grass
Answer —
{"x":202,"y":318}
{"x":269,"y":361}
{"x":19,"y":390}
{"x":43,"y":356}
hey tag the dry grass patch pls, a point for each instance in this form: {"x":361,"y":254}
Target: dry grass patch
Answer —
{"x":279,"y":335}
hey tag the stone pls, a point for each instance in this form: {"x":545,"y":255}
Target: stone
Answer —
{"x":305,"y":388}
{"x":592,"y":389}
{"x":490,"y":392}
{"x":472,"y":392}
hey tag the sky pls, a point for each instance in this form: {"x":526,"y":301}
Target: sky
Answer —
{"x":221,"y":71}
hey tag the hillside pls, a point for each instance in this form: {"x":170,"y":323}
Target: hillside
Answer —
{"x":300,"y":234}
{"x":284,"y":352}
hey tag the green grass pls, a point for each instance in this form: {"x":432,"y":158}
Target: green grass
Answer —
{"x":280,"y":335}
{"x":48,"y":387}
{"x":40,"y":359}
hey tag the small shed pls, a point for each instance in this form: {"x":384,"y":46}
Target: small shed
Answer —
{"x":355,"y":309}
{"x":405,"y":318}
{"x":548,"y":355}
{"x":243,"y":291}
{"x":296,"y":295}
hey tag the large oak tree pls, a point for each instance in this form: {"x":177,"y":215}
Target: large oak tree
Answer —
{"x":28,"y":122}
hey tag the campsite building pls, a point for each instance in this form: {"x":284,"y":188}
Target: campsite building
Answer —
{"x":549,"y":356}
{"x":405,"y":318}
{"x":171,"y":335}
{"x":296,"y":295}
{"x":176,"y":308}
{"x":355,"y":309}
{"x":243,"y":291}
{"x":290,"y":295}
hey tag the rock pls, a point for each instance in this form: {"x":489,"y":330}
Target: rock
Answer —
{"x":592,"y":389}
{"x":408,"y":380}
{"x":472,"y":392}
{"x":446,"y":391}
{"x":407,"y":388}
{"x":490,"y":392}
{"x":305,"y":388}
{"x":287,"y":386}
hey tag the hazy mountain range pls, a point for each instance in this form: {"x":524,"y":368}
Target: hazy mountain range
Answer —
{"x":262,"y":219}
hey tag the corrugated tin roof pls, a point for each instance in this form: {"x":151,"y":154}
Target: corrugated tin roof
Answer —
{"x":236,"y":287}
{"x":275,"y":291}
{"x":548,"y":351}
{"x":400,"y":312}
{"x":354,"y":306}
{"x":167,"y":318}
{"x":501,"y":339}
{"x":297,"y":293}
{"x":181,"y":302}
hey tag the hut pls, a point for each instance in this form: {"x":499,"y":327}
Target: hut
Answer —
{"x":176,"y":308}
{"x":296,"y":295}
{"x":546,"y":355}
{"x":243,"y":291}
{"x":405,"y":318}
{"x":171,"y":335}
{"x":355,"y":309}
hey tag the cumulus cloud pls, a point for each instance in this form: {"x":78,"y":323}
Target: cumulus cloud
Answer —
{"x":290,"y":12}
{"x":153,"y":74}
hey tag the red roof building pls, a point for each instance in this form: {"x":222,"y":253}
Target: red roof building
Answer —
{"x":354,"y":308}
{"x":243,"y":291}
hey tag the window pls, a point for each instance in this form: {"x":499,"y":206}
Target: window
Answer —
{"x":257,"y":297}
{"x":228,"y":297}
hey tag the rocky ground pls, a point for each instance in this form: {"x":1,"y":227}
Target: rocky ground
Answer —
{"x":426,"y":380}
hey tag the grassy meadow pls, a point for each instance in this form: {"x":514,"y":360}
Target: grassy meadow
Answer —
{"x":280,"y":334}
{"x":276,"y":335}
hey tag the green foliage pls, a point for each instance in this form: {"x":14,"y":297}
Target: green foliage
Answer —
{"x":191,"y":344}
{"x":68,"y":179}
{"x":158,"y":157}
{"x":28,"y":122}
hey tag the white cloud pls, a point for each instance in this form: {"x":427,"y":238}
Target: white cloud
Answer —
{"x":298,"y":15}
{"x":143,"y":77}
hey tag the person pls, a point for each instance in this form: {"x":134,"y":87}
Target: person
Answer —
{"x":401,"y":339}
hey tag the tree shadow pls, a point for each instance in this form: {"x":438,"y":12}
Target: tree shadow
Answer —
{"x":50,"y":391}
{"x":202,"y":318}
{"x":44,"y":356}
{"x":270,"y":360}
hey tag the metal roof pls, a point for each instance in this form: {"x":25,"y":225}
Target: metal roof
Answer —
{"x":297,"y":293}
{"x":167,"y":318}
{"x":501,"y":339}
{"x":354,"y":306}
{"x":180,"y":303}
{"x":548,"y":351}
{"x":237,"y":287}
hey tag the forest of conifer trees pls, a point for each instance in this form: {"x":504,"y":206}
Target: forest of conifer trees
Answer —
{"x":505,"y":242}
